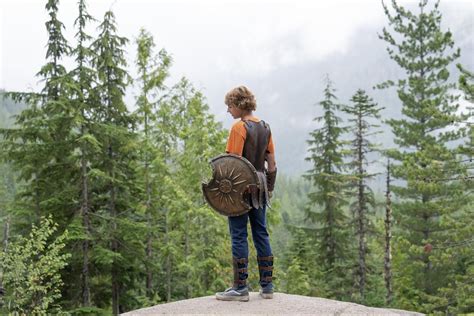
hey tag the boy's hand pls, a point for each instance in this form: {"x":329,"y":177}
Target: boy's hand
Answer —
{"x":270,"y":194}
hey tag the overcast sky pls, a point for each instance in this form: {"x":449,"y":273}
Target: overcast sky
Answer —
{"x":219,"y":44}
{"x":209,"y":40}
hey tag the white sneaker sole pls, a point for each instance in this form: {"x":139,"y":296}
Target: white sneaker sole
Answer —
{"x":266,"y":295}
{"x":232,"y":298}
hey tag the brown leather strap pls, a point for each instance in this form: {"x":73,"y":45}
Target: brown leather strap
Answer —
{"x":254,"y":195}
{"x":267,"y":279}
{"x":262,"y":268}
{"x":269,"y":258}
{"x":239,"y":281}
{"x":243,"y":270}
{"x":241,"y":260}
{"x":271,"y":178}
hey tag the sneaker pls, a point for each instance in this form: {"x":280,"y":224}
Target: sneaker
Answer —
{"x":266,"y":292}
{"x":234,"y":294}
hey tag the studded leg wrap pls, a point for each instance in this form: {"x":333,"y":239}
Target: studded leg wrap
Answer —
{"x":265,"y":269}
{"x":240,"y":271}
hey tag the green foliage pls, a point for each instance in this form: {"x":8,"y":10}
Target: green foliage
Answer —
{"x":325,"y":207}
{"x":298,"y":280}
{"x":31,"y":267}
{"x":363,"y":111}
{"x":151,"y":167}
{"x":186,"y":240}
{"x":189,"y":221}
{"x":428,"y":160}
{"x":39,"y":145}
{"x":299,"y":273}
{"x":466,"y":83}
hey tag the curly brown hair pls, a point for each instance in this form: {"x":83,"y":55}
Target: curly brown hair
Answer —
{"x":241,"y":97}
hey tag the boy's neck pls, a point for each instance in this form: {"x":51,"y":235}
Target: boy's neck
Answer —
{"x":246,"y":116}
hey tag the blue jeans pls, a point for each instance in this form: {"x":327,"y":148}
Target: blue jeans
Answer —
{"x":261,"y":240}
{"x":238,"y":233}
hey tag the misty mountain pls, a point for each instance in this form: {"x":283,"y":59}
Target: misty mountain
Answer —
{"x":8,"y":109}
{"x":288,"y":96}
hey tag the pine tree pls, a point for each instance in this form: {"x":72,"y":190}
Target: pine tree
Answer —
{"x":301,"y":276}
{"x":115,"y":177}
{"x":201,"y":138}
{"x":362,"y":111}
{"x":466,"y":83}
{"x":328,"y":178}
{"x":39,"y":146}
{"x":459,"y":293}
{"x":429,"y":165}
{"x":83,"y":101}
{"x":153,"y":70}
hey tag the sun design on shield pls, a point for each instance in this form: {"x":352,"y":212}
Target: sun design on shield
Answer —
{"x":226,"y":185}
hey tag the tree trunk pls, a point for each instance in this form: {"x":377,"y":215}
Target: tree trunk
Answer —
{"x":388,"y":237}
{"x":85,"y":287}
{"x":186,"y":255}
{"x":361,"y":213}
{"x":114,"y":245}
{"x":149,"y":252}
{"x":6,"y":235}
{"x":149,"y":241}
{"x":168,"y":264}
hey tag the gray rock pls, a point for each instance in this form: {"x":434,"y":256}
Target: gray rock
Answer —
{"x":281,"y":304}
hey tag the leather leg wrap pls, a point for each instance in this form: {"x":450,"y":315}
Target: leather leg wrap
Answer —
{"x":240,"y":271}
{"x":241,"y":260}
{"x":265,"y":269}
{"x":269,"y":258}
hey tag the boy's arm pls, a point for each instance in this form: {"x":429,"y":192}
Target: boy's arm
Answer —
{"x":271,"y":172}
{"x":271,"y":166}
{"x":271,"y":162}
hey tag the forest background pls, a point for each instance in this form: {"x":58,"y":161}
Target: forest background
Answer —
{"x":105,"y":156}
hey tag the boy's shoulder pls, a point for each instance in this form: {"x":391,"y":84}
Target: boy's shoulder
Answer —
{"x":248,"y":122}
{"x":238,"y":125}
{"x":241,"y":122}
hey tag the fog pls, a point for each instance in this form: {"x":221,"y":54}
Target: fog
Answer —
{"x":280,"y":49}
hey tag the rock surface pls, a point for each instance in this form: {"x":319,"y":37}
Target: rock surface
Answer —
{"x":281,"y":304}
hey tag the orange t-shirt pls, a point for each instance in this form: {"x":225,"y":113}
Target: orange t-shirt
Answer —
{"x":237,"y":135}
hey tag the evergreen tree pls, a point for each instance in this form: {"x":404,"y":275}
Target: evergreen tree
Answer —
{"x":427,"y":159}
{"x":39,"y":145}
{"x":83,"y":101}
{"x":362,"y":110}
{"x":466,"y":83}
{"x":114,"y":176}
{"x":328,"y":178}
{"x":200,"y":138}
{"x":153,"y":70}
{"x":300,"y":275}
{"x":459,"y":294}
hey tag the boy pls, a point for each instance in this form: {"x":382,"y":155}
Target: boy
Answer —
{"x":251,"y":138}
